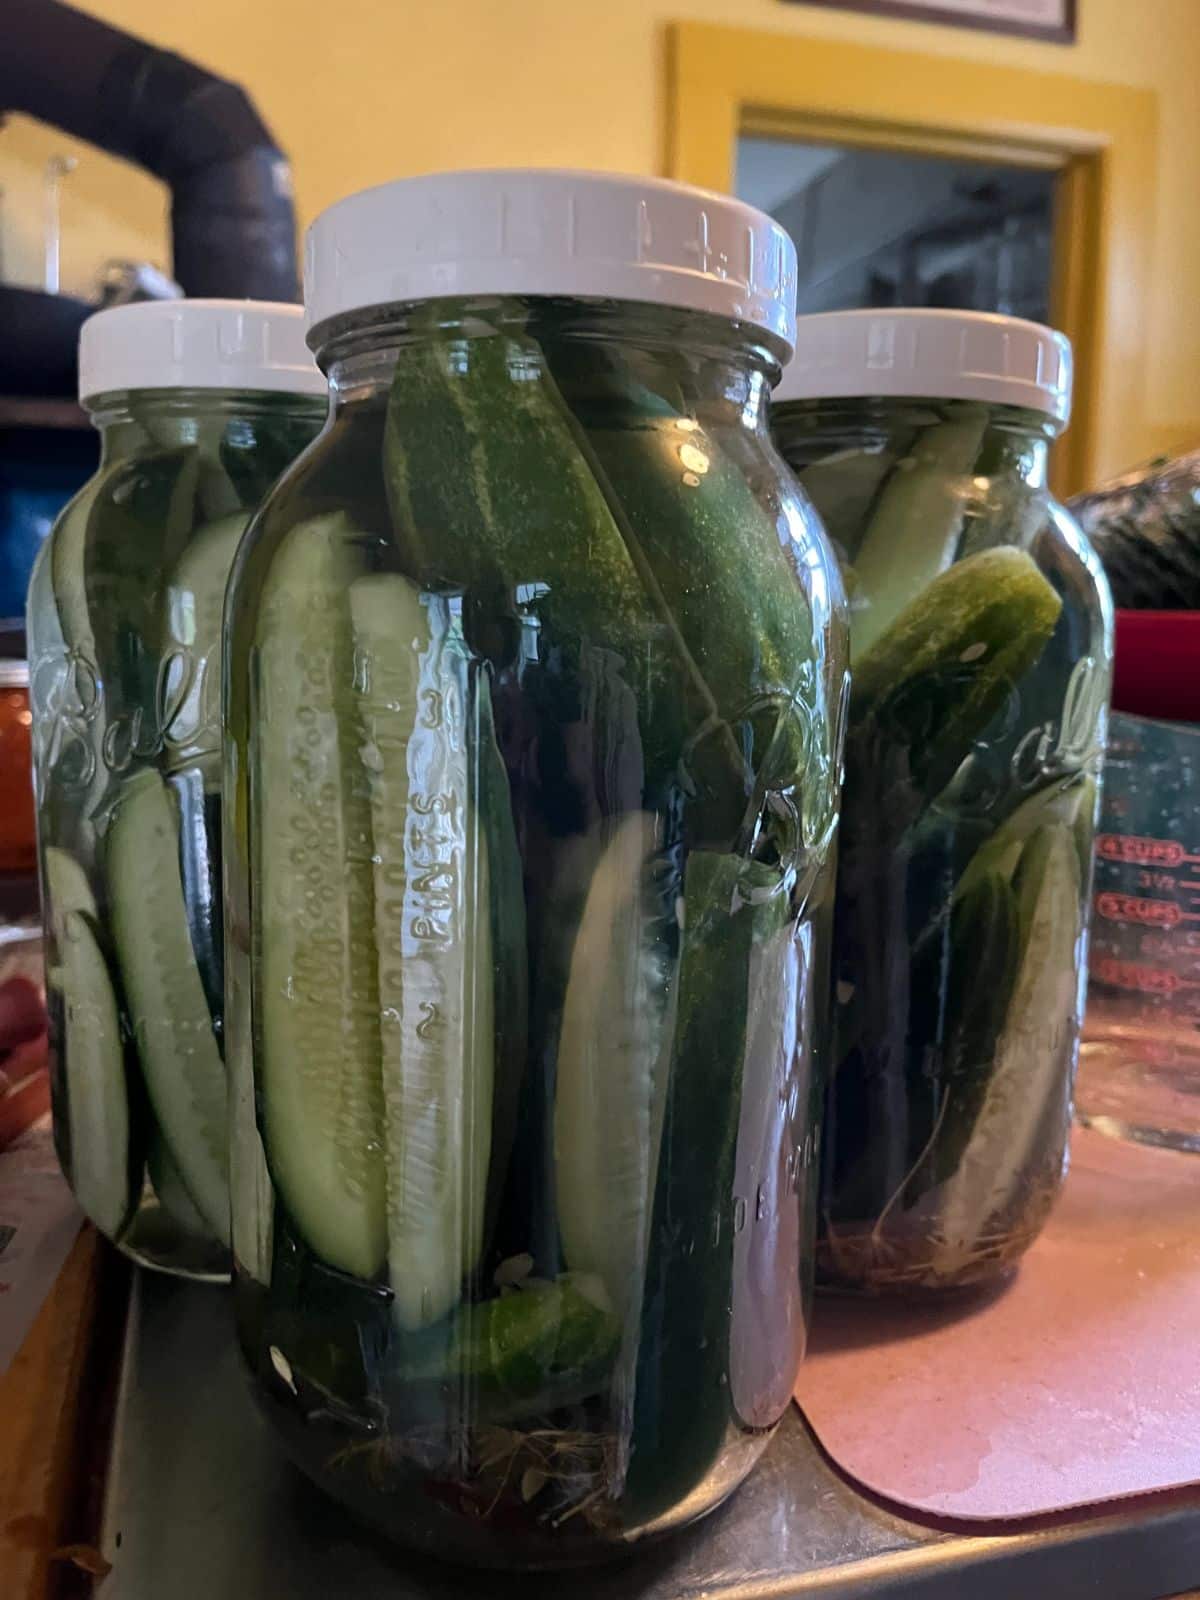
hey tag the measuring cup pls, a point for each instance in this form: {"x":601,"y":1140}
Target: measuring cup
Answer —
{"x":1139,"y":1061}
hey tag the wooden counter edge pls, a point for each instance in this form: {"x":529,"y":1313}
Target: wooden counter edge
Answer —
{"x":56,"y":1403}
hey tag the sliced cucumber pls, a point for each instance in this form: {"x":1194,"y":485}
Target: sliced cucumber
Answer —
{"x":69,"y":766}
{"x":216,"y":495}
{"x":193,"y":603}
{"x":844,"y":488}
{"x":97,"y":1098}
{"x":68,"y":558}
{"x":253,"y":461}
{"x":170,"y":1188}
{"x":317,"y":1009}
{"x":958,"y":989}
{"x":612,"y":1069}
{"x":1029,"y":1083}
{"x":433,"y":936}
{"x":913,"y":535}
{"x":1083,"y":827}
{"x":67,"y":890}
{"x":172,"y":1024}
{"x":1069,"y":802}
{"x":107,"y":577}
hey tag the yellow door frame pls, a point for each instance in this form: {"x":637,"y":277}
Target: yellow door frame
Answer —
{"x":1100,"y":137}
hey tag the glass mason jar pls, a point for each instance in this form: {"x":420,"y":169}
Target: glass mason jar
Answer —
{"x":200,"y":405}
{"x":533,"y":706}
{"x":981,"y":650}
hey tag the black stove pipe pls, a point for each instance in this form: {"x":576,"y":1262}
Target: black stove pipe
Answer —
{"x":232,"y":221}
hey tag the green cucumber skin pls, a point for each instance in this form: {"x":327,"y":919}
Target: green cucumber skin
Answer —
{"x":916,"y":708}
{"x":982,"y":600}
{"x":194,"y":601}
{"x":215,"y":494}
{"x":579,"y":783}
{"x":965,"y":967}
{"x":104,"y":1176}
{"x":172,"y":1025}
{"x":701,"y":630}
{"x":241,"y":453}
{"x":1021,"y":1125}
{"x":108,"y":581}
{"x":975,"y":971}
{"x":64,"y":889}
{"x":477,"y":527}
{"x":278,"y":441}
{"x":519,"y":1346}
{"x":775,"y":1164}
{"x":316,"y":1004}
{"x":713,"y":551}
{"x":727,"y":568}
{"x":64,"y":558}
{"x":683,"y":1412}
{"x":474,"y":526}
{"x":95,"y":619}
{"x":923,"y":500}
{"x":936,"y":679}
{"x":509,"y":944}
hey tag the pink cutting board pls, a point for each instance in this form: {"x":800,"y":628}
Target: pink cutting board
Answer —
{"x":1078,"y":1383}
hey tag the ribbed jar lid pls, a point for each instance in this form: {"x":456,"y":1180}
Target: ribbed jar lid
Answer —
{"x":929,"y":354}
{"x":197,"y":344}
{"x":529,"y":231}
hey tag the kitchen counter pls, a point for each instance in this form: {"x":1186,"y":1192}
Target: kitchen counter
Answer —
{"x":201,"y":1503}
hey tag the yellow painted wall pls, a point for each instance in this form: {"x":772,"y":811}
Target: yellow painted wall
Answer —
{"x":358,"y":91}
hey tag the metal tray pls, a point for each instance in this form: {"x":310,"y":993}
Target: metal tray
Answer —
{"x":200,"y":1503}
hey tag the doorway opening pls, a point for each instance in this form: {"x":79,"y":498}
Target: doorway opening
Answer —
{"x":1095,"y":142}
{"x":878,"y":228}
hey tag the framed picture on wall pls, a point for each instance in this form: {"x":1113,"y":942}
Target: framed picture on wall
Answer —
{"x":1051,"y":20}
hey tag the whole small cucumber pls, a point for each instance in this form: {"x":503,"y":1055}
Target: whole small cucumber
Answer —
{"x":933,"y":682}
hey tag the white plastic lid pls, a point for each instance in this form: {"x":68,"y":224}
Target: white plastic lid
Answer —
{"x":197,"y":344}
{"x":929,"y":354}
{"x":529,"y":231}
